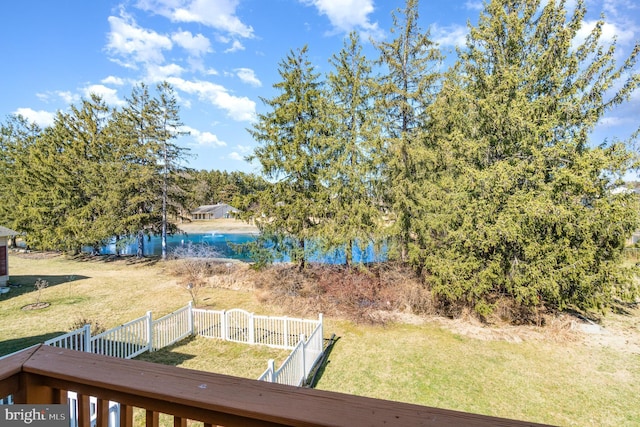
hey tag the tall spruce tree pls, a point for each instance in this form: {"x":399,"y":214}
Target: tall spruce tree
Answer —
{"x":527,"y":208}
{"x":352,"y":176}
{"x":292,"y":154}
{"x":138,"y":130}
{"x":406,"y":87}
{"x":86,"y":150}
{"x":144,"y":130}
{"x":170,"y":158}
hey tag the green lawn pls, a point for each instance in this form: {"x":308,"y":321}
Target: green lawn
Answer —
{"x":564,"y":383}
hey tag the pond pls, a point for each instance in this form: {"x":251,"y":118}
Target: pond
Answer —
{"x":211,"y":242}
{"x":220,"y":245}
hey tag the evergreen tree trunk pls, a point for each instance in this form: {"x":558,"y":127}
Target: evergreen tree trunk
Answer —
{"x":140,"y":250}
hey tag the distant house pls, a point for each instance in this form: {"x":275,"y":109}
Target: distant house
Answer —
{"x":220,"y":210}
{"x":4,"y":256}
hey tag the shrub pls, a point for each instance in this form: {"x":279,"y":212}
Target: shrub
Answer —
{"x":97,"y":326}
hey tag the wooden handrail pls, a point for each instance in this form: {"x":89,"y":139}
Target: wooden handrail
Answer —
{"x":43,"y":374}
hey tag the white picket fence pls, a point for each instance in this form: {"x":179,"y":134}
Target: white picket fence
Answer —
{"x":243,"y":327}
{"x":145,"y":334}
{"x":297,"y":367}
{"x":172,"y":328}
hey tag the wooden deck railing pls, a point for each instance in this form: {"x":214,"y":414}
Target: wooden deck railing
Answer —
{"x":43,"y":375}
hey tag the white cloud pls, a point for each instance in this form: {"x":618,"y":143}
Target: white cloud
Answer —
{"x":112,"y":80}
{"x":44,"y":97}
{"x":238,"y":108}
{"x":196,"y":45}
{"x":68,"y":97}
{"x":135,"y":44}
{"x":611,"y":121}
{"x":218,"y":14}
{"x":347,"y":15}
{"x":452,"y":35}
{"x":235,"y":46}
{"x":158,"y":73}
{"x":610,"y":31}
{"x":108,"y":95}
{"x":474,"y":5}
{"x":234,"y":155}
{"x":41,"y":118}
{"x":248,"y":76}
{"x":620,"y":8}
{"x":204,"y":138}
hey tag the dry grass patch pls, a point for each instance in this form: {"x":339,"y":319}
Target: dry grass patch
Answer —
{"x":544,"y":374}
{"x":106,"y":290}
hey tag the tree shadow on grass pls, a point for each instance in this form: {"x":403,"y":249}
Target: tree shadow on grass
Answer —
{"x":321,"y":365}
{"x":17,"y":344}
{"x":128,"y":259}
{"x":24,"y":284}
{"x":168,"y":355}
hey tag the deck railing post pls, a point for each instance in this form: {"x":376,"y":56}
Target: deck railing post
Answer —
{"x":87,"y":338}
{"x":149,"y":332}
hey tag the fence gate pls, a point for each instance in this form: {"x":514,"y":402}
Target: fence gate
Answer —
{"x":239,"y":325}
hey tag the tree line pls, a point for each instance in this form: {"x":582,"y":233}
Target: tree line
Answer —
{"x":481,"y":175}
{"x":100,"y":173}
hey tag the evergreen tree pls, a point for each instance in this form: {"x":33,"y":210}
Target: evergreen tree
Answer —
{"x":155,"y":178}
{"x":406,"y":88}
{"x":352,"y":177}
{"x":61,"y":181}
{"x":525,"y":206}
{"x":16,"y":136}
{"x":292,"y":154}
{"x":89,"y":221}
{"x":137,"y":127}
{"x":170,"y":158}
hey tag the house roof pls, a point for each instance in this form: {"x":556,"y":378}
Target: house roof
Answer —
{"x":5,"y":232}
{"x":214,"y":208}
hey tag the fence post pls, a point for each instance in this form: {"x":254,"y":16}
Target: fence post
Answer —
{"x":191,"y":323}
{"x":223,"y":325}
{"x":87,"y":338}
{"x":252,"y":335}
{"x":302,"y":359}
{"x":150,"y":331}
{"x":271,"y":364}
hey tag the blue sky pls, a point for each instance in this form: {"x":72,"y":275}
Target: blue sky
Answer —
{"x":221,"y":56}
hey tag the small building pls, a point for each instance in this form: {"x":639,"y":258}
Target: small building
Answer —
{"x":5,"y":233}
{"x":217,"y":211}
